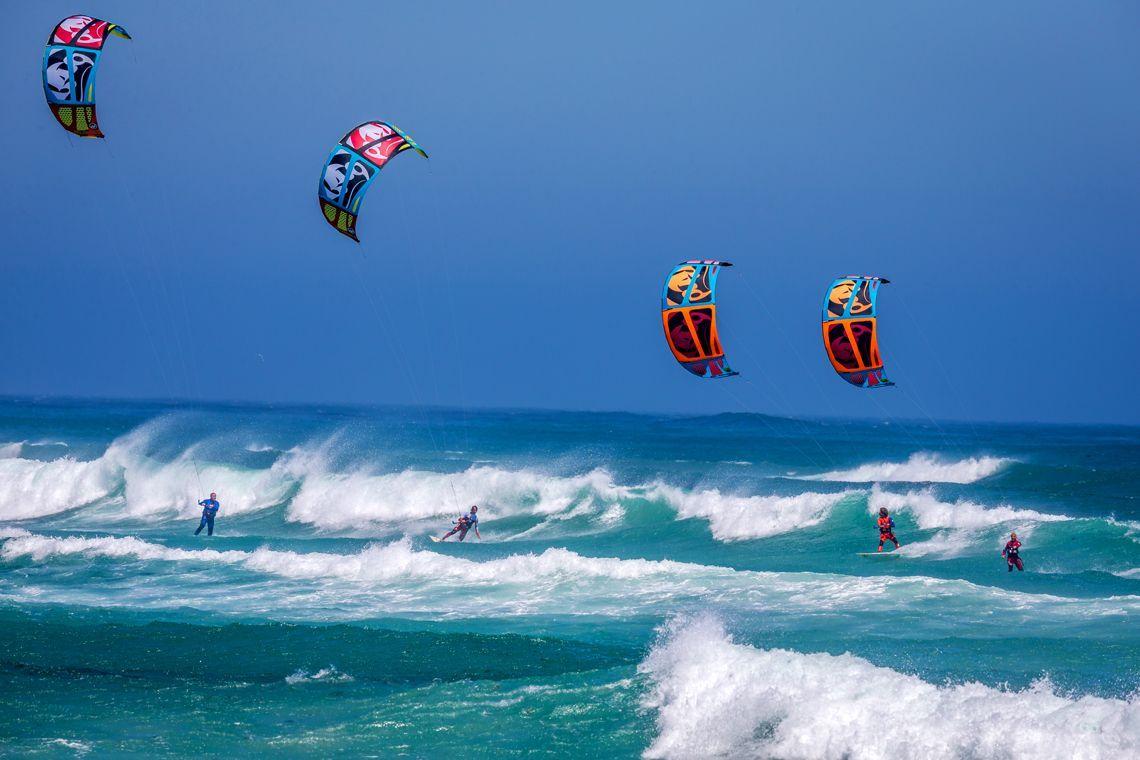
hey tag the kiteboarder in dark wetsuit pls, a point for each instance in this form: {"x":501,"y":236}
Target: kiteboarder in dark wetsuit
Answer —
{"x":1012,"y":554}
{"x":465,"y":523}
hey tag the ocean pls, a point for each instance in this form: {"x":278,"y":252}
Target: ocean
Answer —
{"x":654,"y":586}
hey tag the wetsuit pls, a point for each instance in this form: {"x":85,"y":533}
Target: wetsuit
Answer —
{"x":471,"y":521}
{"x":210,"y":509}
{"x":463,"y":524}
{"x":1012,"y":552}
{"x":887,"y":531}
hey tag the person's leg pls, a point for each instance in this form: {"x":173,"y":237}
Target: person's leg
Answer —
{"x":463,"y":534}
{"x":1020,"y":565}
{"x":210,"y":527}
{"x":1009,"y":565}
{"x":895,"y":540}
{"x":200,"y":526}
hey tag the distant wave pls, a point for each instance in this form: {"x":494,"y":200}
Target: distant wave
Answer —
{"x":919,"y":468}
{"x":714,"y":697}
{"x":734,"y":518}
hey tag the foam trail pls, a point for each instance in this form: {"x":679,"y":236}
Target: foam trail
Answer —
{"x":714,"y":697}
{"x":733,"y":518}
{"x":919,"y":468}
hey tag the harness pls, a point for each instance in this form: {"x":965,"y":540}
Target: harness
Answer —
{"x":884,"y":525}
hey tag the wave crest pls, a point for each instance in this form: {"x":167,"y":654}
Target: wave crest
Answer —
{"x":714,"y":697}
{"x":733,"y":518}
{"x":919,"y":468}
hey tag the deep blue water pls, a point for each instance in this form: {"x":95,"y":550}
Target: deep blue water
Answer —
{"x":668,"y":586}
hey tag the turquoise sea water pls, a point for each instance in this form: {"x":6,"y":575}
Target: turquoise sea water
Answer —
{"x":659,"y":586}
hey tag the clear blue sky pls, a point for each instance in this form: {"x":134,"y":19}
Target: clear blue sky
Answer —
{"x":984,"y":156}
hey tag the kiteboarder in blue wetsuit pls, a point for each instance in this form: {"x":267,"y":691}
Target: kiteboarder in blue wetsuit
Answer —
{"x":210,"y":509}
{"x":465,"y":523}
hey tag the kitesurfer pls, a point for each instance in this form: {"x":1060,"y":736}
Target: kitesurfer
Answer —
{"x":210,"y":509}
{"x":469,"y":521}
{"x":886,"y":528}
{"x":1012,"y":553}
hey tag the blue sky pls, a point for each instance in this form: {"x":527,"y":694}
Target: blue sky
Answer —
{"x":983,"y":156}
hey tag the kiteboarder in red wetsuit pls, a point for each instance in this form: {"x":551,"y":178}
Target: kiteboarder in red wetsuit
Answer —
{"x":886,"y":528}
{"x":1012,"y":552}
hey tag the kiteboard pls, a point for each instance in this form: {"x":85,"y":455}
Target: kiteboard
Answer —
{"x":879,"y":554}
{"x":437,"y":539}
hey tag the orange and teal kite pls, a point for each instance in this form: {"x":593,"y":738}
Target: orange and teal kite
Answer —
{"x":688,"y":313}
{"x":353,"y":165}
{"x":851,"y":330}
{"x":70,"y":61}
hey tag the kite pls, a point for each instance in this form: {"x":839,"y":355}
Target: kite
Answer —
{"x":70,"y":61}
{"x":851,"y":330}
{"x":353,"y":164}
{"x":688,"y":313}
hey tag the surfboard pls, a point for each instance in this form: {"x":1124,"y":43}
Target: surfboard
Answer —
{"x":879,"y":554}
{"x":437,"y":539}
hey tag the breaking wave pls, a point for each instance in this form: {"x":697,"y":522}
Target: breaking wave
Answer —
{"x":397,"y":578}
{"x":714,"y":697}
{"x":733,"y":518}
{"x":919,"y":468}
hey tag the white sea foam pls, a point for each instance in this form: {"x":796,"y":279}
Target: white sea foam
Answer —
{"x":919,"y":468}
{"x":930,"y":513}
{"x":79,"y":748}
{"x":395,"y":578}
{"x":324,"y":675}
{"x":156,"y":489}
{"x":31,"y":488}
{"x":960,"y":524}
{"x":716,"y":698}
{"x":149,"y":488}
{"x":339,"y":500}
{"x":733,"y":518}
{"x":11,"y":450}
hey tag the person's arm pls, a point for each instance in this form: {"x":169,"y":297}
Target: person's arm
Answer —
{"x":477,"y":532}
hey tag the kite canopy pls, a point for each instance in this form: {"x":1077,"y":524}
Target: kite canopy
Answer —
{"x":851,"y":330}
{"x":70,"y":61}
{"x":351,"y":167}
{"x":688,"y":313}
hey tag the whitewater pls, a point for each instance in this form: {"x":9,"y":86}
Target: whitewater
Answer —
{"x":664,"y":587}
